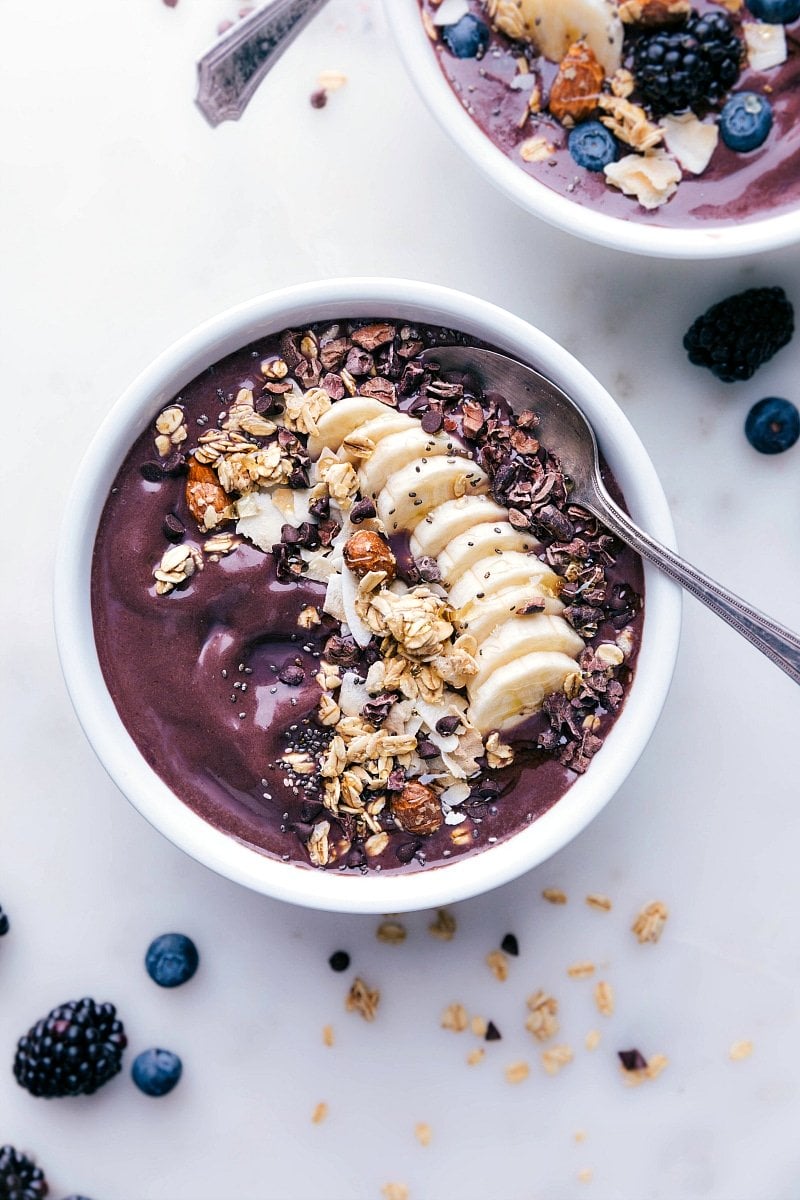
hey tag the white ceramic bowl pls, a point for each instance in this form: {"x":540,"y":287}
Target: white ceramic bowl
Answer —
{"x":713,"y":240}
{"x":116,"y":749}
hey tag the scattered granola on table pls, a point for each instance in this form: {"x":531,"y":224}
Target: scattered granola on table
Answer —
{"x":394,"y":641}
{"x":649,"y":924}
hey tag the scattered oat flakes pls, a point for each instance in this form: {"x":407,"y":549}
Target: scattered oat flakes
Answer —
{"x":331,"y":81}
{"x":542,"y":1021}
{"x":455,"y":1017}
{"x":581,"y":970}
{"x":394,"y":1191}
{"x":585,"y":1175}
{"x":650,"y":922}
{"x":536,"y":149}
{"x":517,"y":1072}
{"x":652,"y":1070}
{"x":391,"y":932}
{"x":423,"y":1133}
{"x":444,"y":926}
{"x":498,"y":754}
{"x":600,"y":902}
{"x":604,"y":998}
{"x":740,"y":1050}
{"x":556,"y":1057}
{"x":309,"y":617}
{"x":592,"y":1040}
{"x":476,"y":1056}
{"x":320,"y":1113}
{"x":555,"y":895}
{"x":327,"y":1035}
{"x":363,"y":1000}
{"x":497,"y":962}
{"x":479,"y":1026}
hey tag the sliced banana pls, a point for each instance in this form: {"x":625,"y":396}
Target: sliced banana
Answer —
{"x":342,"y":418}
{"x":480,"y":541}
{"x":432,"y":535}
{"x":553,"y":26}
{"x":482,"y":616}
{"x":374,"y":431}
{"x":411,"y":493}
{"x":497,"y":572}
{"x":516,"y":691}
{"x":396,"y":452}
{"x":523,"y":635}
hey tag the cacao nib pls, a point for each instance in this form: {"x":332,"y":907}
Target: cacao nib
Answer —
{"x":333,"y":354}
{"x":377,"y":709}
{"x":369,"y":337}
{"x":358,"y":362}
{"x":293,"y":674}
{"x":342,"y":651}
{"x":173,"y":528}
{"x":321,"y":508}
{"x":406,"y":850}
{"x":362,"y":510}
{"x":427,"y":569}
{"x":632,"y":1060}
{"x":380,"y":389}
{"x":447,"y":726}
{"x":333,"y":385}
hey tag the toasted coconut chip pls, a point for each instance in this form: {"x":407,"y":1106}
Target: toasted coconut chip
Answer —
{"x":690,"y":140}
{"x":333,"y":605}
{"x":450,"y":11}
{"x":456,"y":794}
{"x":766,"y":45}
{"x":260,"y":520}
{"x":353,"y":695}
{"x":361,"y":632}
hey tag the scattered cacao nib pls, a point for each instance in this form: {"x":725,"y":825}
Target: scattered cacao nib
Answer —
{"x":632,"y":1060}
{"x":426,"y":749}
{"x":356,"y":857}
{"x":432,"y":420}
{"x":377,"y":709}
{"x":339,"y":960}
{"x":473,"y":420}
{"x":428,"y":569}
{"x":333,"y":385}
{"x":358,"y":362}
{"x":534,"y":605}
{"x":290,"y":349}
{"x":310,"y":810}
{"x":308,"y":535}
{"x":406,"y":851}
{"x":269,"y":401}
{"x":320,"y":508}
{"x":362,"y":510}
{"x":523,"y":442}
{"x":174,"y":465}
{"x":327,"y":531}
{"x":290,"y":536}
{"x":293,"y":674}
{"x":577,"y":756}
{"x":492,"y":1034}
{"x":396,"y":781}
{"x":333,"y":354}
{"x":510,"y":945}
{"x":173,"y":528}
{"x":380,"y":389}
{"x":562,"y":715}
{"x":412,"y":377}
{"x":440,"y":389}
{"x":411,"y":348}
{"x":317,"y":99}
{"x":584,"y":619}
{"x":341,"y":650}
{"x":289,"y":566}
{"x":528,"y":419}
{"x":447,"y":725}
{"x":369,"y":337}
{"x":554,"y":522}
{"x":518,"y":519}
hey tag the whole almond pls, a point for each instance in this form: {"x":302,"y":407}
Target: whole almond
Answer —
{"x":418,"y":809}
{"x":366,"y":551}
{"x":573,"y":96}
{"x":204,"y":491}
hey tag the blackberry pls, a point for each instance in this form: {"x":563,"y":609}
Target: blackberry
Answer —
{"x":20,"y":1179}
{"x":694,"y":65}
{"x":735,"y":337}
{"x":4,"y":924}
{"x":71,"y":1052}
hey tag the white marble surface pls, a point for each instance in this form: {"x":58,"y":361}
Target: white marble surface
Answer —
{"x":125,"y":220}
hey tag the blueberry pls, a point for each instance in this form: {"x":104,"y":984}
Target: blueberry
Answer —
{"x":745,"y":121}
{"x":468,"y":38}
{"x":777,"y":12}
{"x":155,"y":1072}
{"x":772,"y":425}
{"x":592,"y":146}
{"x":171,"y":959}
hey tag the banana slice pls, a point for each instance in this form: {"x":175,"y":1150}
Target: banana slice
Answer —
{"x":516,"y":691}
{"x":342,"y":418}
{"x":411,"y":493}
{"x":479,"y":542}
{"x":375,"y":431}
{"x":481,"y":617}
{"x":497,"y":572}
{"x":439,"y":528}
{"x":396,"y":452}
{"x":553,"y":26}
{"x":523,"y":635}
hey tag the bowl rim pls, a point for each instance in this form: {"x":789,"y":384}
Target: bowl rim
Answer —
{"x":635,"y":237}
{"x":156,"y":386}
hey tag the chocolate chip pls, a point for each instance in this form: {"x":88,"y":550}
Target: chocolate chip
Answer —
{"x":289,"y":535}
{"x":341,"y":650}
{"x":406,"y":851}
{"x":510,"y":945}
{"x":428,"y":569}
{"x":339,"y":960}
{"x":362,"y":510}
{"x":152,"y":471}
{"x":432,"y":420}
{"x":173,"y":528}
{"x":356,"y":857}
{"x":493,"y":1034}
{"x":632,"y":1060}
{"x":308,"y":535}
{"x":321,"y":508}
{"x":174,"y":465}
{"x":447,"y":725}
{"x":427,"y":749}
{"x":319,"y":98}
{"x":396,"y":781}
{"x":292,"y":674}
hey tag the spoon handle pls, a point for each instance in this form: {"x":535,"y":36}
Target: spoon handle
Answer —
{"x":779,"y":644}
{"x":230,"y":72}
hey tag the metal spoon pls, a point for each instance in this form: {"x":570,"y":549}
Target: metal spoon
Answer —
{"x":228,"y":75}
{"x":566,"y":428}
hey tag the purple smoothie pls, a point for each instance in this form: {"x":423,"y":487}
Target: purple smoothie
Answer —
{"x":735,"y":187}
{"x":195,"y":675}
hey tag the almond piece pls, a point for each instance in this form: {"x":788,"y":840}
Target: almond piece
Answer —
{"x":573,"y":96}
{"x":417,"y":809}
{"x":654,"y":12}
{"x":204,"y":491}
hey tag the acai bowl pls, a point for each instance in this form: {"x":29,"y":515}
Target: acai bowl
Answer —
{"x":663,"y":127}
{"x":328,"y":617}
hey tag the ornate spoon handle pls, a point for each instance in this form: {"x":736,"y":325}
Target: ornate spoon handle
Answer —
{"x":229,"y":74}
{"x":779,"y":644}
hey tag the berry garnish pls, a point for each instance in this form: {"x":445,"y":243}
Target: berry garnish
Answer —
{"x":694,"y":65}
{"x":468,"y":38}
{"x":20,"y":1179}
{"x":339,"y":960}
{"x":745,"y":121}
{"x":155,"y":1072}
{"x":171,"y":959}
{"x":592,"y":146}
{"x":72,"y":1051}
{"x":776,"y":12}
{"x":735,"y":337}
{"x":772,"y":425}
{"x":4,"y":922}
